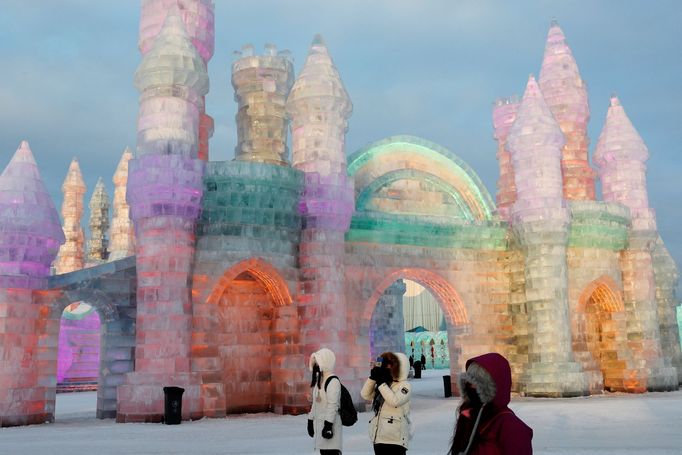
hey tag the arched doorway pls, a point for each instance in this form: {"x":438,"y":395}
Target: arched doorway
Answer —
{"x":79,"y":348}
{"x":599,"y":337}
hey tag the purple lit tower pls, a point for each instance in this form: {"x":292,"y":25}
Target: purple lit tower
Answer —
{"x":164,"y":194}
{"x":319,"y":108}
{"x":198,"y":18}
{"x":566,"y":95}
{"x":30,"y":235}
{"x":540,"y":222}
{"x":620,"y":156}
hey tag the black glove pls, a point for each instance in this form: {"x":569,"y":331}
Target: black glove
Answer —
{"x":311,"y":429}
{"x":327,"y":431}
{"x":375,"y":374}
{"x":384,"y":376}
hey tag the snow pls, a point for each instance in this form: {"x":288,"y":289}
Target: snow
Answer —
{"x":606,"y":424}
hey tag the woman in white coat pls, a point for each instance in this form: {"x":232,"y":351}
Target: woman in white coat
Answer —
{"x":388,"y":390}
{"x":324,"y":421}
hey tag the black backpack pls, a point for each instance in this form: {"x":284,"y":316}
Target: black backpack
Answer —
{"x":346,"y":408}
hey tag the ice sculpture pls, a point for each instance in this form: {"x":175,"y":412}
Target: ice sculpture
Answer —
{"x":71,"y":253}
{"x":99,"y":224}
{"x":566,"y":95}
{"x":122,"y":234}
{"x":504,"y":113}
{"x":540,"y":222}
{"x":261,"y":84}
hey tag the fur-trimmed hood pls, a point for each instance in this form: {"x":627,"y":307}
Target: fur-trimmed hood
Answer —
{"x":491,"y":374}
{"x":404,"y":365}
{"x":324,"y":358}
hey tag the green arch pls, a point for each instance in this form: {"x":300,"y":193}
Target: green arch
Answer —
{"x":484,"y":207}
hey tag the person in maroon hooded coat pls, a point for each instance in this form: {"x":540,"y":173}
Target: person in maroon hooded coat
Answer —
{"x":485,"y":425}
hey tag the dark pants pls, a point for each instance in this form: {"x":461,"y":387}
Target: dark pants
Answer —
{"x":330,"y":452}
{"x":389,"y":449}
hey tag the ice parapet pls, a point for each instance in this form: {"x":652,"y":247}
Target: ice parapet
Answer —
{"x":30,"y":232}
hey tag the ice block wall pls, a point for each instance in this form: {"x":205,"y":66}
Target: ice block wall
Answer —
{"x":198,"y":19}
{"x":30,"y":235}
{"x":504,"y":114}
{"x":164,"y":194}
{"x":319,"y":108}
{"x":71,"y":254}
{"x":98,"y":244}
{"x":620,"y":156}
{"x":566,"y":95}
{"x":122,"y":233}
{"x":261,"y":85}
{"x":387,"y":326}
{"x":540,"y":221}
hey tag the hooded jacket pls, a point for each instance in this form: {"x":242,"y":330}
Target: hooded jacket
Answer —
{"x":325,"y":404}
{"x":499,"y":430}
{"x":391,"y":424}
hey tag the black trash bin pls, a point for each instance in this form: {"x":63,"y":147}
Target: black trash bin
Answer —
{"x":447,"y":386}
{"x":417,"y":369}
{"x":172,"y":405}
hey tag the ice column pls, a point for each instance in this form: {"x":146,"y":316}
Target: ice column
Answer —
{"x":70,"y":256}
{"x":30,"y":235}
{"x":261,"y":85}
{"x":164,"y":194}
{"x":122,"y":235}
{"x":198,"y":19}
{"x":99,"y":224}
{"x":540,"y":222}
{"x":620,"y":156}
{"x":566,"y":95}
{"x":319,"y":108}
{"x":387,"y":327}
{"x":504,"y":114}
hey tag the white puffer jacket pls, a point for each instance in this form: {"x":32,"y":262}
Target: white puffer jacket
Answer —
{"x":326,"y":404}
{"x":392,"y":424}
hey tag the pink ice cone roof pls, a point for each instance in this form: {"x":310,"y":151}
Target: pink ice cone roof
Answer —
{"x":535,"y":125}
{"x":319,"y":78}
{"x":619,"y":140}
{"x":172,"y":60}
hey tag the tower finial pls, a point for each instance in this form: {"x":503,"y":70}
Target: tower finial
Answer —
{"x":554,"y":22}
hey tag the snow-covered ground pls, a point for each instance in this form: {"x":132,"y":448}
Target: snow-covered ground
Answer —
{"x":608,"y":424}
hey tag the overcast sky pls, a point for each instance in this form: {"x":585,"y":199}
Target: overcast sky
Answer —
{"x":430,"y":68}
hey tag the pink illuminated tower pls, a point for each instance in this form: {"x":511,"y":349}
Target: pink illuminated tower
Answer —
{"x":319,"y":108}
{"x":504,"y":114}
{"x":71,"y":253}
{"x":164,"y":194}
{"x":198,"y":19}
{"x":540,"y":221}
{"x":122,"y":235}
{"x":620,"y":156}
{"x":566,"y":95}
{"x":30,"y":235}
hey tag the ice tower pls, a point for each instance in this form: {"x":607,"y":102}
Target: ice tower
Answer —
{"x":540,"y":222}
{"x":566,"y":95}
{"x":164,"y":194}
{"x":98,"y":243}
{"x":620,"y":156}
{"x":504,"y":114}
{"x":319,"y":108}
{"x":71,"y":254}
{"x":122,"y":234}
{"x":30,"y":235}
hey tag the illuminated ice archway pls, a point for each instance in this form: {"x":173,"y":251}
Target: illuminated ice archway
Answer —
{"x":382,"y":163}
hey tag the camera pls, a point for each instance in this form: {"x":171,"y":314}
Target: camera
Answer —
{"x":379,"y":362}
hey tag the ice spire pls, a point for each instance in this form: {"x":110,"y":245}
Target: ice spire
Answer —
{"x":566,"y":95}
{"x":70,"y":256}
{"x":99,"y":224}
{"x":29,"y":222}
{"x":122,"y":233}
{"x":620,"y":156}
{"x":504,"y":114}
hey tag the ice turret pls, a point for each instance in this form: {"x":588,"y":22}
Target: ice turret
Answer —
{"x":504,"y":114}
{"x":99,"y":224}
{"x":566,"y":95}
{"x":122,"y":235}
{"x":540,"y":223}
{"x":71,"y":253}
{"x":30,"y":232}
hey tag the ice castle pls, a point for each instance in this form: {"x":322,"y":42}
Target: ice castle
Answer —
{"x":237,"y":270}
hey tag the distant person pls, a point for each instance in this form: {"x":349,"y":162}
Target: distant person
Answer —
{"x":389,"y":392}
{"x":324,"y":422}
{"x":423,"y":360}
{"x":411,"y":361}
{"x":485,"y":425}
